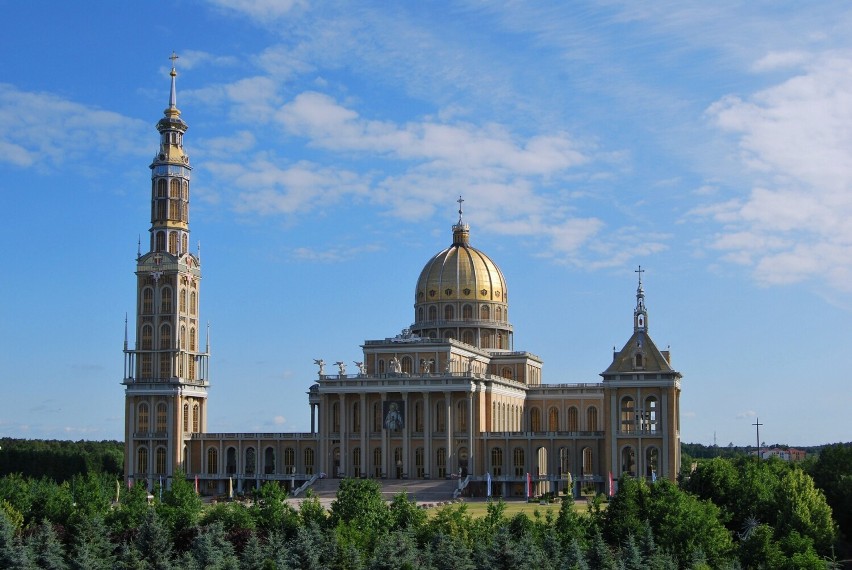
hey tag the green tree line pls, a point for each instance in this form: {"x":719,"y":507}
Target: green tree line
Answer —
{"x":60,"y":460}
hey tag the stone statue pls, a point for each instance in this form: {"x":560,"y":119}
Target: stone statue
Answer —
{"x":362,"y":368}
{"x":395,"y":365}
{"x":321,"y":363}
{"x":449,"y":368}
{"x":341,"y":367}
{"x":426,"y":365}
{"x":470,"y":361}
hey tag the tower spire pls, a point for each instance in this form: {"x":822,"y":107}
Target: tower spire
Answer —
{"x":461,"y":231}
{"x":173,"y":92}
{"x":640,"y":314}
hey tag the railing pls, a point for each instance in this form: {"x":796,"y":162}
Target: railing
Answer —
{"x":305,"y":485}
{"x":542,"y":434}
{"x":253,"y":436}
{"x":463,"y":483}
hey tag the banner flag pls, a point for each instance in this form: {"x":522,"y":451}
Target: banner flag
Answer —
{"x":196,"y":484}
{"x":488,"y":484}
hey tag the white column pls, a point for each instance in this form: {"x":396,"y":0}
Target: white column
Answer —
{"x":427,"y":435}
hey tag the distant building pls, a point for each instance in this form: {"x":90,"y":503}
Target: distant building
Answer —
{"x":450,"y":396}
{"x":790,"y":454}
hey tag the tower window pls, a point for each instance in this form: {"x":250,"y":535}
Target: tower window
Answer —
{"x":173,"y":242}
{"x":467,"y":312}
{"x":147,"y":336}
{"x":160,"y":467}
{"x":212,"y":461}
{"x":160,"y":241}
{"x":628,"y":415}
{"x":165,"y":336}
{"x":186,"y":417}
{"x":147,"y":301}
{"x":166,"y":300}
{"x":638,"y":360}
{"x":196,"y":418}
{"x":142,"y":418}
{"x":142,"y":460}
{"x":161,"y":188}
{"x":449,"y":313}
{"x":309,"y":461}
{"x":162,"y":416}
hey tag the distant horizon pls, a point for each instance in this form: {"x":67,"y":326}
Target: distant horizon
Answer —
{"x":329,"y":144}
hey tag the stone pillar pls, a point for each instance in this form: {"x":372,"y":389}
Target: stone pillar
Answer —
{"x":406,"y":435}
{"x":365,"y":452}
{"x":429,"y":465}
{"x":448,"y":411}
{"x":344,"y":436}
{"x":471,"y":452}
{"x":384,"y":433}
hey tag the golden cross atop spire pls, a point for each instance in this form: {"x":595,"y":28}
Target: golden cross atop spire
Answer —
{"x":173,"y":57}
{"x":460,"y":201}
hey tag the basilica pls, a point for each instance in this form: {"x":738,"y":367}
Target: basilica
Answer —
{"x":451,"y":397}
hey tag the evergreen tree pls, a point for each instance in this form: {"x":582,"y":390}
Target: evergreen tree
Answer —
{"x":569,"y":524}
{"x":154,"y":543}
{"x":44,"y":547}
{"x":211,"y":550}
{"x":92,"y":549}
{"x":574,"y":558}
{"x":599,"y":555}
{"x":252,"y":557}
{"x":395,"y":550}
{"x":631,"y":555}
{"x":13,"y":555}
{"x":129,"y":558}
{"x":448,"y":553}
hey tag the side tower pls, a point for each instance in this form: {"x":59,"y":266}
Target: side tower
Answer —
{"x":641,"y":405}
{"x":165,"y":372}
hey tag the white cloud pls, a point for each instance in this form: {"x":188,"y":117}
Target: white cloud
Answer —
{"x":795,"y":138}
{"x":264,"y":11}
{"x":43,"y":130}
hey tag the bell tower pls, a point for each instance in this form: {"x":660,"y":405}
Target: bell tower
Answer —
{"x":166,"y":369}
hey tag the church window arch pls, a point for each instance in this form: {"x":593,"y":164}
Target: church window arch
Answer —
{"x":501,"y":341}
{"x":162,"y":417}
{"x":518,"y":461}
{"x":269,"y":461}
{"x":185,"y":191}
{"x":162,"y":209}
{"x":381,"y":366}
{"x":142,"y":418}
{"x":449,"y":312}
{"x":638,"y":360}
{"x":467,"y":312}
{"x":627,"y":415}
{"x":649,"y":419}
{"x":506,"y":372}
{"x":182,"y":296}
{"x":418,"y":416}
{"x":485,"y":313}
{"x":192,"y":339}
{"x":186,"y":417}
{"x":147,"y":337}
{"x":174,"y":191}
{"x":433,"y":313}
{"x":486,"y":338}
{"x":142,"y":459}
{"x":553,"y":419}
{"x":356,"y":417}
{"x":652,"y":462}
{"x":419,"y":462}
{"x":407,"y":364}
{"x":628,"y":460}
{"x":498,"y":313}
{"x":166,"y":300}
{"x":184,"y":239}
{"x":573,"y":419}
{"x":309,"y":460}
{"x":196,"y":418}
{"x":335,"y":417}
{"x":147,"y":301}
{"x":461,"y":415}
{"x":377,"y":461}
{"x":564,"y":462}
{"x":193,"y":299}
{"x":160,"y":461}
{"x":212,"y":461}
{"x":449,"y":334}
{"x":251,"y":461}
{"x":289,"y":460}
{"x":160,"y":241}
{"x":588,"y":461}
{"x":467,"y":337}
{"x":146,"y":369}
{"x":441,"y":462}
{"x":592,"y":418}
{"x":496,"y":461}
{"x":173,"y":242}
{"x":161,"y":188}
{"x":420,"y":314}
{"x":377,"y":416}
{"x":535,"y":419}
{"x":165,"y":336}
{"x":440,"y":417}
{"x":231,"y":461}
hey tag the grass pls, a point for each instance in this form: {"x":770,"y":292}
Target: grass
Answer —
{"x":479,"y":508}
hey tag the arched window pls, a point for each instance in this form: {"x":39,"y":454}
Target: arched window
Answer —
{"x":628,"y":415}
{"x":485,"y":338}
{"x":440,"y":417}
{"x":506,"y":372}
{"x":161,"y":188}
{"x":407,"y":365}
{"x":161,"y":241}
{"x":649,"y":416}
{"x":192,"y":301}
{"x":142,"y":418}
{"x":173,"y":242}
{"x":289,"y":460}
{"x":418,"y":416}
{"x":652,"y":463}
{"x":592,"y":418}
{"x":588,"y":461}
{"x":356,"y":417}
{"x":496,"y":461}
{"x":433,"y":313}
{"x":518,"y":461}
{"x":449,"y":313}
{"x":231,"y":461}
{"x":461,"y":415}
{"x":467,"y":312}
{"x":573,"y":419}
{"x":535,"y":419}
{"x":174,"y":191}
{"x":419,"y":462}
{"x":165,"y":336}
{"x":186,"y":417}
{"x":377,"y":417}
{"x":377,"y":461}
{"x":251,"y":461}
{"x":564,"y":462}
{"x":381,"y":366}
{"x":142,"y":460}
{"x":147,"y":301}
{"x":182,"y":300}
{"x":467,"y":337}
{"x":638,"y":360}
{"x":146,"y":366}
{"x":184,"y":240}
{"x":147,"y":337}
{"x":160,"y":461}
{"x":449,"y":334}
{"x":500,"y":339}
{"x":192,"y":339}
{"x":499,"y":313}
{"x":628,"y":461}
{"x":335,"y":417}
{"x":485,"y":313}
{"x":420,"y":314}
{"x":553,"y":420}
{"x":196,"y":418}
{"x":441,"y":462}
{"x":212,"y":461}
{"x":269,"y":461}
{"x":166,"y":300}
{"x":162,"y":416}
{"x":356,"y":461}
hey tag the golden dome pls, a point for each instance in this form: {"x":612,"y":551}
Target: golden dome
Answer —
{"x":461,"y":273}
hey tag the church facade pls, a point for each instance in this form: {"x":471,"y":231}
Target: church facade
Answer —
{"x":449,"y":397}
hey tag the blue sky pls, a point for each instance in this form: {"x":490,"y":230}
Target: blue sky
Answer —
{"x":708,"y":142}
